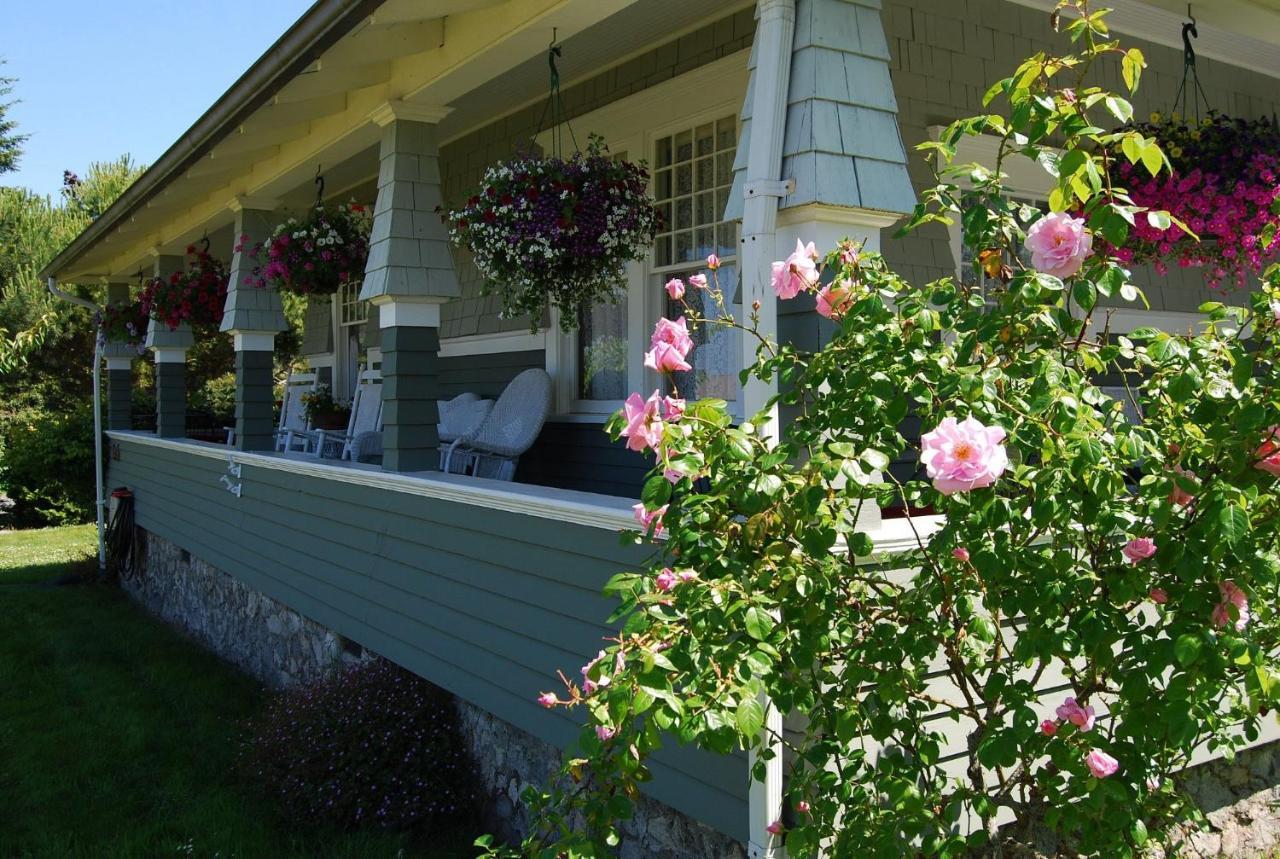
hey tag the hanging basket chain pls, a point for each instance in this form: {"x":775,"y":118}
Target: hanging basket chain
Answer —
{"x":319,"y":188}
{"x":554,"y":107}
{"x":1189,"y":71}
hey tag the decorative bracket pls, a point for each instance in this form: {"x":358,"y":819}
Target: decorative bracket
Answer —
{"x":233,"y":470}
{"x":769,"y":188}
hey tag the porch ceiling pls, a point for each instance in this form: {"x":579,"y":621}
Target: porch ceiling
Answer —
{"x":308,"y":101}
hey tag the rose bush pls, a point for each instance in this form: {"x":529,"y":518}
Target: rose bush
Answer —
{"x":1093,"y":601}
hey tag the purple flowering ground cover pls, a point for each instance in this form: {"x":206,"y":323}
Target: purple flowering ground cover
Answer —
{"x":119,"y":738}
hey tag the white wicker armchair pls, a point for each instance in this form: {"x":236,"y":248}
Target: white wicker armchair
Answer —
{"x":363,"y":438}
{"x":458,"y":417}
{"x":494,"y":447}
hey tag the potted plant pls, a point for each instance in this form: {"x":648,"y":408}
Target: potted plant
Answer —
{"x":545,"y":230}
{"x":1224,"y":187}
{"x":323,"y":412}
{"x":123,"y":322}
{"x":316,"y":254}
{"x":195,"y":295}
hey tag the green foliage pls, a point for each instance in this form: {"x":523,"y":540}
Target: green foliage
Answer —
{"x":1014,"y":587}
{"x":216,"y":398}
{"x":10,"y":141}
{"x":46,"y":465}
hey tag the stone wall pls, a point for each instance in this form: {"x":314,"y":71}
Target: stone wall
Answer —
{"x":282,"y":648}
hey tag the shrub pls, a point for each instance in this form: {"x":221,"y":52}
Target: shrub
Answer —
{"x":216,"y":398}
{"x":46,"y":465}
{"x":1094,"y":603}
{"x":373,"y":745}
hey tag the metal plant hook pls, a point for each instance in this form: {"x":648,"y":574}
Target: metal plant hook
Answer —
{"x":204,"y":240}
{"x":554,"y":108}
{"x":1184,"y":94}
{"x":319,"y":188}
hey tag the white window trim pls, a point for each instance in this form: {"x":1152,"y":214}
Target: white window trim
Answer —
{"x":628,"y":125}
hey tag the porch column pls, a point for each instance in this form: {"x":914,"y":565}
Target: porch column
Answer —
{"x":253,"y":316}
{"x":408,"y":277}
{"x":170,"y":350}
{"x":119,"y":359}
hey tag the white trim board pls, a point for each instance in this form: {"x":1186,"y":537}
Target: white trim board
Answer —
{"x":493,"y":344}
{"x":562,"y":505}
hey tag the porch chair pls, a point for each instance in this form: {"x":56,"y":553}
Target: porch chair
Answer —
{"x":363,"y":438}
{"x":458,"y":417}
{"x":291,"y":432}
{"x":493,"y":449}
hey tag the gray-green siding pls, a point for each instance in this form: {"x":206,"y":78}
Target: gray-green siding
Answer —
{"x":487,"y":604}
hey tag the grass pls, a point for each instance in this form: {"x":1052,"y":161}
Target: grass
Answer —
{"x":118,"y":737}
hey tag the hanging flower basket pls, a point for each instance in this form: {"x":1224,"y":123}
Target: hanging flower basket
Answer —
{"x":123,"y":322}
{"x":1225,"y":186}
{"x":317,"y":254}
{"x":546,"y":230}
{"x":195,"y":295}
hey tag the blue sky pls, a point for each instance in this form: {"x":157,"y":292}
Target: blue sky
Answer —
{"x":97,"y":80}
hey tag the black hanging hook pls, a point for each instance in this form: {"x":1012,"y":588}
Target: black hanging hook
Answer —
{"x":1189,"y":32}
{"x":204,"y":240}
{"x":319,"y":188}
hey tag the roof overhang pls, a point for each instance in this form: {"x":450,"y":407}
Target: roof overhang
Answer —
{"x":313,"y":98}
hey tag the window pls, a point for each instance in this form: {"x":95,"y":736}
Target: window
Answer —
{"x":693,"y":172}
{"x":970,"y":275}
{"x":352,"y":315}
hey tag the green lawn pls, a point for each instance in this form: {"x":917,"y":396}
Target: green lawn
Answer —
{"x":117,"y":737}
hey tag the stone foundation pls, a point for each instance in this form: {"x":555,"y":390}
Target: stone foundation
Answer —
{"x":282,"y":648}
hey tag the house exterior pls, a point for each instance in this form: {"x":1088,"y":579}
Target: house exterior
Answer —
{"x":761,"y":122}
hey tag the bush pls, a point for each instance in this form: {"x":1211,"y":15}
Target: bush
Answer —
{"x":46,"y":465}
{"x":216,"y":398}
{"x":374,"y":745}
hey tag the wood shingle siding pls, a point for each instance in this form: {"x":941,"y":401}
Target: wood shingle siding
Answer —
{"x":488,"y":604}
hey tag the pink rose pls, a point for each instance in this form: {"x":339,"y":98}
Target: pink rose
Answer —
{"x":1159,"y":596}
{"x":588,"y":686}
{"x":798,"y":272}
{"x":604,"y":732}
{"x":775,"y":828}
{"x":961,"y":456}
{"x":802,"y":807}
{"x":666,"y":358}
{"x":835,"y":299}
{"x":1268,"y":454}
{"x":1059,"y":244}
{"x":644,"y":422}
{"x":665,"y":580}
{"x":673,"y":408}
{"x":698,"y":281}
{"x":961,"y":554}
{"x":1048,"y":727}
{"x":673,"y":333}
{"x":1101,"y":764}
{"x":1081,"y":717}
{"x":686,"y":575}
{"x":673,"y":477}
{"x":1232,"y":598}
{"x":1275,"y":309}
{"x":547,"y":699}
{"x":713,"y":263}
{"x":675,"y":288}
{"x":1138,"y":549}
{"x":649,"y":518}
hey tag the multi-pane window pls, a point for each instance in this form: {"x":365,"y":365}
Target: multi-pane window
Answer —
{"x":602,"y":346}
{"x":971,"y":275}
{"x":351,"y":310}
{"x":693,"y":172}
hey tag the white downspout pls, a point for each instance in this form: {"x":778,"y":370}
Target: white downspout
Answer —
{"x":99,"y":502}
{"x":762,"y":190}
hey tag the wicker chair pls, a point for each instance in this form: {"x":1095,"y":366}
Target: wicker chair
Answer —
{"x":293,"y":430}
{"x":363,"y":438}
{"x":458,"y":417}
{"x":494,"y":447}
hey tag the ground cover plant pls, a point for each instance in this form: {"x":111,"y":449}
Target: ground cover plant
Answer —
{"x":1095,"y":598}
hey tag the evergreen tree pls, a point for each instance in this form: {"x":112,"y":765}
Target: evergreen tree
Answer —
{"x":10,"y":141}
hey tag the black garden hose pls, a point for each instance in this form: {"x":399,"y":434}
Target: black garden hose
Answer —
{"x":119,"y":537}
